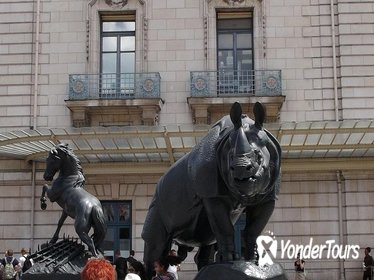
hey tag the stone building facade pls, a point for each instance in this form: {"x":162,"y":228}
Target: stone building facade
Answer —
{"x":69,"y":72}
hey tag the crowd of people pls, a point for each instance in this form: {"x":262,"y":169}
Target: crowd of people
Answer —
{"x":130,"y":268}
{"x":11,"y":267}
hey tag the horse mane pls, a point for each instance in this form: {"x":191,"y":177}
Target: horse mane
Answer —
{"x":68,"y":151}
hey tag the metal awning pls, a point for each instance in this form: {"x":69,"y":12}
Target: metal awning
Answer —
{"x":164,"y":145}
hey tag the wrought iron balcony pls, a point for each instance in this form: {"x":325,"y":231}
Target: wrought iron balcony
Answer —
{"x":226,"y":83}
{"x":114,"y":99}
{"x":114,"y":86}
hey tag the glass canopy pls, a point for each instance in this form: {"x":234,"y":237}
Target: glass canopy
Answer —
{"x":166,"y":144}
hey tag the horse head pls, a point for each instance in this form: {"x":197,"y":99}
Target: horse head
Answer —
{"x":55,"y":160}
{"x":247,"y":155}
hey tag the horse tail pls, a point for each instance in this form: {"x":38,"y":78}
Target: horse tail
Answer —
{"x":99,"y":225}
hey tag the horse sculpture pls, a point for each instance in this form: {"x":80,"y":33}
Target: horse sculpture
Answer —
{"x":234,"y":169}
{"x":67,"y":190}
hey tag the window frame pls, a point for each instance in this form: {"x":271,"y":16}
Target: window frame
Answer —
{"x":123,"y":82}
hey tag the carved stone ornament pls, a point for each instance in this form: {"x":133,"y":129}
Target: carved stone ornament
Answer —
{"x":116,"y":3}
{"x":230,"y":2}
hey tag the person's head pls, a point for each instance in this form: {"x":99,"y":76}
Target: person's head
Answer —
{"x":135,"y":267}
{"x":160,"y":266}
{"x":98,"y":269}
{"x":24,"y":251}
{"x":9,"y":253}
{"x":298,"y":255}
{"x":172,"y":252}
{"x":367,"y":250}
{"x":132,"y":253}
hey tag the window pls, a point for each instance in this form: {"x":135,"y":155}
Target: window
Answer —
{"x":117,"y":56}
{"x":235,"y":52}
{"x":118,"y":236}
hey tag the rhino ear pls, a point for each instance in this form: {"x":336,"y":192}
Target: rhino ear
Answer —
{"x":259,"y":112}
{"x":236,"y":115}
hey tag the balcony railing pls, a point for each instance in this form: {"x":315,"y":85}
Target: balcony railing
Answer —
{"x":236,"y":83}
{"x":114,"y":86}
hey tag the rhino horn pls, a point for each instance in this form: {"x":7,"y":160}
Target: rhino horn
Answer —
{"x":259,"y":112}
{"x":236,"y":115}
{"x":241,"y":144}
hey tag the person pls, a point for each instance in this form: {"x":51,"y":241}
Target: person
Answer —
{"x":299,"y":268}
{"x":368,"y":263}
{"x":174,"y":267}
{"x":136,"y":267}
{"x":161,"y":268}
{"x":10,"y":265}
{"x":121,"y":265}
{"x":131,"y":257}
{"x":24,"y":263}
{"x":98,"y":269}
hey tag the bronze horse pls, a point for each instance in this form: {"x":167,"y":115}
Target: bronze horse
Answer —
{"x":234,"y":169}
{"x":67,"y":190}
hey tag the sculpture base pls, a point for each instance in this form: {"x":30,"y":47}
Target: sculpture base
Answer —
{"x":241,"y":270}
{"x":54,"y":276}
{"x":63,"y":260}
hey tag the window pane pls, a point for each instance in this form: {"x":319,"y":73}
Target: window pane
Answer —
{"x":124,"y":239}
{"x":109,"y":44}
{"x":118,"y":26}
{"x":108,"y":212}
{"x":123,"y":212}
{"x":244,"y":41}
{"x":127,"y":62}
{"x":108,"y":244}
{"x":245,"y":60}
{"x":244,"y":24}
{"x":128,"y":43}
{"x":109,"y":63}
{"x":225,"y":60}
{"x":225,"y":41}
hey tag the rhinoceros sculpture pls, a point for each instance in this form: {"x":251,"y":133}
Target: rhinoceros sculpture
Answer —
{"x":235,"y":168}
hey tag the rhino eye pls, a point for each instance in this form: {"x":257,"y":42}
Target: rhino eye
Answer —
{"x":259,"y":155}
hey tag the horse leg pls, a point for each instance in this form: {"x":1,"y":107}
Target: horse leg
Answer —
{"x":99,"y":225}
{"x":256,"y":220}
{"x":59,"y":225}
{"x":86,"y":239}
{"x":82,"y":228}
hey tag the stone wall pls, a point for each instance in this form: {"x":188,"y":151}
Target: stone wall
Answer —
{"x":16,"y":45}
{"x":179,"y":37}
{"x":308,"y":208}
{"x":356,"y":28}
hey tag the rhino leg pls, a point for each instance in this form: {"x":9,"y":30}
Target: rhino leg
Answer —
{"x":256,"y":219}
{"x":156,"y":240}
{"x":203,"y":256}
{"x":218,"y":212}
